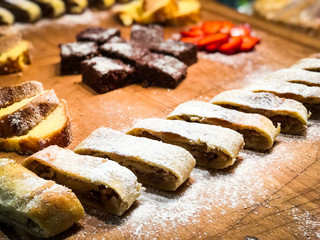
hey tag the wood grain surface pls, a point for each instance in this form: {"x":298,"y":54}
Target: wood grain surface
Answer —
{"x":267,"y":195}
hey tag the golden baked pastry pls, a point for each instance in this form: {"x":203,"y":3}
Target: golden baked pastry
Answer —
{"x":18,"y":92}
{"x":19,"y":118}
{"x":98,"y":182}
{"x":23,"y":10}
{"x":310,"y":64}
{"x":305,"y":77}
{"x":213,"y":147}
{"x":40,"y":207}
{"x":76,"y":6}
{"x":6,"y":17}
{"x":55,"y":129}
{"x":258,"y":131}
{"x":51,"y":8}
{"x":292,"y":115}
{"x":188,"y":12}
{"x":308,"y":96}
{"x":154,"y":163}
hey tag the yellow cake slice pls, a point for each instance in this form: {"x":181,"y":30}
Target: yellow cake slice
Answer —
{"x":16,"y":58}
{"x":55,"y":129}
{"x":6,"y":17}
{"x":19,"y":118}
{"x":51,"y":8}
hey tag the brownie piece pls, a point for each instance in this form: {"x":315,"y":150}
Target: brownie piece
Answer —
{"x":98,"y":35}
{"x":72,"y":54}
{"x":104,"y":74}
{"x":117,"y":39}
{"x":127,"y":52}
{"x":160,"y":70}
{"x":146,"y":34}
{"x":185,"y":52}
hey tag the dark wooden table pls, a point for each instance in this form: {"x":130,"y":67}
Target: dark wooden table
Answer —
{"x":268,"y":195}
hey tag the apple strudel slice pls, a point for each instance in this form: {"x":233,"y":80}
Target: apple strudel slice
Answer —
{"x":40,"y":207}
{"x":98,"y":182}
{"x":213,"y":147}
{"x":291,"y":114}
{"x":258,"y":131}
{"x":305,"y":77}
{"x":310,"y":64}
{"x":308,"y":96}
{"x":154,"y":163}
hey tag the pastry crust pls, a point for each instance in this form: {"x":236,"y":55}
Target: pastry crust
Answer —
{"x":76,"y":6}
{"x":258,"y":131}
{"x":16,"y":93}
{"x":213,"y":147}
{"x":159,"y":164}
{"x":308,"y":96}
{"x":292,"y":115}
{"x":310,"y":64}
{"x":40,"y":207}
{"x":17,"y":122}
{"x":305,"y":77}
{"x":51,"y":8}
{"x":99,"y":182}
{"x":55,"y":129}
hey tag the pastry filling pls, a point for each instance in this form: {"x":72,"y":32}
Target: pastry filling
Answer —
{"x":212,"y":158}
{"x":254,"y":139}
{"x":288,"y":124}
{"x":105,"y":197}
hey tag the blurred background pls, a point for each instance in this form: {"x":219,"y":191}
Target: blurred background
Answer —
{"x":303,"y":15}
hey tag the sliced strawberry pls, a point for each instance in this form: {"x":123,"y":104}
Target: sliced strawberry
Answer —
{"x":248,"y":43}
{"x":192,"y":33}
{"x":240,"y":31}
{"x":193,"y":40}
{"x":213,"y":38}
{"x":212,"y":47}
{"x":232,"y":46}
{"x":195,"y":28}
{"x":226,"y":27}
{"x":210,"y":27}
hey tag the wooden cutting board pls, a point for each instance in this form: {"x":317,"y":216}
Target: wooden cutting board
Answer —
{"x":267,"y":195}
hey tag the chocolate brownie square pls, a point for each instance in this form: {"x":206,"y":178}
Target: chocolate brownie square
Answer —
{"x":72,"y":54}
{"x":127,"y":52}
{"x":185,"y":52}
{"x":117,"y":39}
{"x":160,"y":70}
{"x":98,"y":35}
{"x":105,"y":74}
{"x":146,"y":34}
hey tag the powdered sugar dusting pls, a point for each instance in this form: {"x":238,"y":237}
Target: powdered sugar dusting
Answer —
{"x":160,"y":213}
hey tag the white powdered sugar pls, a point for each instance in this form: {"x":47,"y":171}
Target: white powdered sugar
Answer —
{"x":168,"y":64}
{"x":105,"y":65}
{"x":78,"y":48}
{"x":206,"y":198}
{"x":67,"y":20}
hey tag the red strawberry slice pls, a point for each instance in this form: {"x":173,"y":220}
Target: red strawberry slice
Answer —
{"x":226,"y":27}
{"x":248,"y":43}
{"x":240,"y":31}
{"x":212,"y":38}
{"x":212,"y":47}
{"x":210,"y":27}
{"x":195,"y":28}
{"x":232,"y":46}
{"x":192,"y":33}
{"x":193,"y":40}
